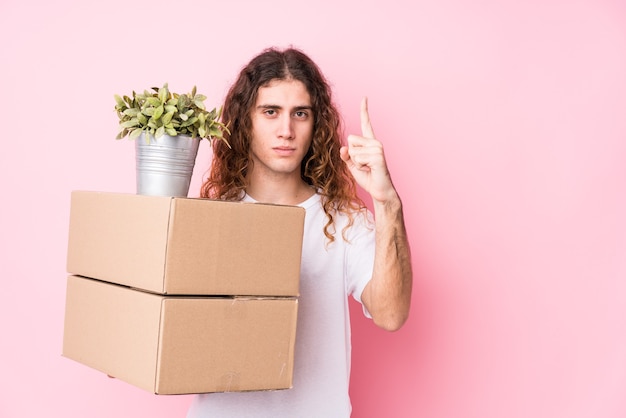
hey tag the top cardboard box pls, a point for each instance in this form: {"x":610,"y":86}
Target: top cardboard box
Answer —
{"x":186,"y":246}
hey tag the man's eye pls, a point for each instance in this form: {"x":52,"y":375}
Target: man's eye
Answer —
{"x":270,"y":112}
{"x":301,"y":114}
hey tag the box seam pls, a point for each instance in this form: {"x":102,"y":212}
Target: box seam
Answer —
{"x":170,"y":218}
{"x":159,"y":343}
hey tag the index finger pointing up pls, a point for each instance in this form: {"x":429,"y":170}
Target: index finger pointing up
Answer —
{"x":366,"y":125}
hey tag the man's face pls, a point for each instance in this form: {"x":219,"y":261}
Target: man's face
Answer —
{"x":282,"y":128}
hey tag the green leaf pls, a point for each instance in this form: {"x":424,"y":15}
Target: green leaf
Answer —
{"x":148,"y":111}
{"x":189,"y":122}
{"x":215,"y":131}
{"x":131,"y":112}
{"x":157,"y":113}
{"x":143,"y":120}
{"x":120,"y":101}
{"x":135,"y":134}
{"x":167,"y":118}
{"x":153,"y":101}
{"x":199,"y":103}
{"x":164,"y":93}
{"x":159,"y":132}
{"x":130,"y":123}
{"x":171,"y":131}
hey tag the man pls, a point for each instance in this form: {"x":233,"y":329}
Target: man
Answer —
{"x":285,"y":148}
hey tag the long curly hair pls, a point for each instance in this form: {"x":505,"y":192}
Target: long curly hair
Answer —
{"x":321,"y":168}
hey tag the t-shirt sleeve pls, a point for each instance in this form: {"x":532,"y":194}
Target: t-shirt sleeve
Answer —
{"x":360,"y":256}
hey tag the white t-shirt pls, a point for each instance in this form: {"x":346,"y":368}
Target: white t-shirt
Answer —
{"x":328,"y":274}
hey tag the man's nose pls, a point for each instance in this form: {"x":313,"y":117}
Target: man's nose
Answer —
{"x":286,"y":127}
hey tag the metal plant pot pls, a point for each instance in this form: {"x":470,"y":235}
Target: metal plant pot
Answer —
{"x":165,"y":164}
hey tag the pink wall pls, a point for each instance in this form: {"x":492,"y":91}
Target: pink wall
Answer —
{"x":505,"y":129}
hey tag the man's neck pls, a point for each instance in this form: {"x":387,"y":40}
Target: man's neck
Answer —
{"x":280,"y":192}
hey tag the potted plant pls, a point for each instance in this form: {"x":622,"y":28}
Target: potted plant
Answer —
{"x":168,"y":127}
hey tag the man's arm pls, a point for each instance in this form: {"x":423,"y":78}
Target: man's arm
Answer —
{"x":388,"y":294}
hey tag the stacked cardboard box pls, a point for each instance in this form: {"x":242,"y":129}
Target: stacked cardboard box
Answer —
{"x":179,"y":295}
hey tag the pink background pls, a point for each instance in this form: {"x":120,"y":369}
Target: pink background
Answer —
{"x":505,"y":131}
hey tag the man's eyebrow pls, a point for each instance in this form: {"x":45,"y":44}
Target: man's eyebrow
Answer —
{"x":268,"y":106}
{"x":273,"y":106}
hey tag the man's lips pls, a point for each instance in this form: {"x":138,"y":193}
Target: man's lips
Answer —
{"x":284,"y":150}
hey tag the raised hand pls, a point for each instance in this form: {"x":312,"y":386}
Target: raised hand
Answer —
{"x":387,"y":296}
{"x":366,"y":160}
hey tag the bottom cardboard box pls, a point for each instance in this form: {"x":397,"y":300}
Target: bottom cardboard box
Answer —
{"x":180,"y":344}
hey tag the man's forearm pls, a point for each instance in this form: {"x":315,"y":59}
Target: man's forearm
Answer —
{"x":388,"y":294}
